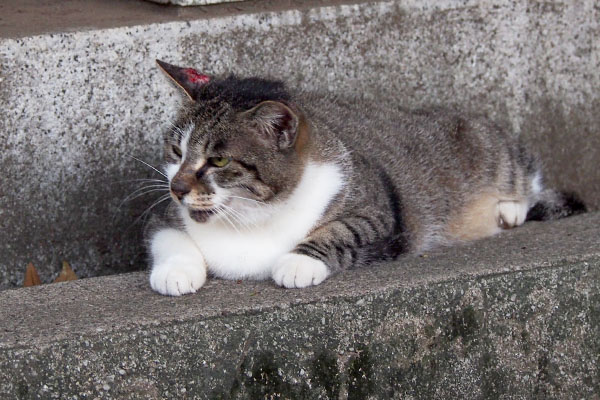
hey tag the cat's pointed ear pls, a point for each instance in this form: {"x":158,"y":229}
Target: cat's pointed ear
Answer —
{"x":276,"y":121}
{"x":187,"y":79}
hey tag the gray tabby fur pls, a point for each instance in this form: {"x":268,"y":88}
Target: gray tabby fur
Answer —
{"x":413,"y":180}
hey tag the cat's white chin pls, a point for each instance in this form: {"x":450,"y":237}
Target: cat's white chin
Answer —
{"x":299,"y":271}
{"x":177,"y":275}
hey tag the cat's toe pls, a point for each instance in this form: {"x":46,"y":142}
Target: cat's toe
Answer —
{"x":175,"y":277}
{"x":298,"y":271}
{"x":511,"y":214}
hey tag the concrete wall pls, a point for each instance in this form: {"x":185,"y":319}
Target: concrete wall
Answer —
{"x":76,"y":106}
{"x":192,"y":2}
{"x":511,"y":317}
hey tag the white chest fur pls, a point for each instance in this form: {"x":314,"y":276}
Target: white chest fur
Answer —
{"x":250,"y":252}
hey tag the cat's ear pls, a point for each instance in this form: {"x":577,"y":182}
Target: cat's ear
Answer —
{"x":276,"y":121}
{"x":187,"y":79}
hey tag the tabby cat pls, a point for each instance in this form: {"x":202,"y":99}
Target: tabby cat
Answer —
{"x":269,"y":182}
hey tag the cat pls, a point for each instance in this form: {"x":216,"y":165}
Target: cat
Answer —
{"x":268,"y":182}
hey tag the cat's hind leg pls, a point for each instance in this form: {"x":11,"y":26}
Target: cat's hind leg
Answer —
{"x":485,"y":215}
{"x":511,"y":213}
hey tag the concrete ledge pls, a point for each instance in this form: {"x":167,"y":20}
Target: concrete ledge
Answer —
{"x":514,"y":316}
{"x":24,"y":18}
{"x":193,"y":2}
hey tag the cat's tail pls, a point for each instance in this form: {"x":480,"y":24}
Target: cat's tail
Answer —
{"x":551,"y":204}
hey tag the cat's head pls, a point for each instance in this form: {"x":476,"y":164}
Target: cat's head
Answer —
{"x":237,"y":148}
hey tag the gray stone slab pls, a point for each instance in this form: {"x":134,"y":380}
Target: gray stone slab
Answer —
{"x":77,"y":105}
{"x":515,"y":316}
{"x":23,"y":18}
{"x":193,"y":2}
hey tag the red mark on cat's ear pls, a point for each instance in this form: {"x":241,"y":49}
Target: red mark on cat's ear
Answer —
{"x":195,"y":77}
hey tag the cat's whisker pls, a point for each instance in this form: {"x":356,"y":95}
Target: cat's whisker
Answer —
{"x":157,"y":202}
{"x":226,"y":215}
{"x":241,"y":218}
{"x":245,"y":198}
{"x":143,"y":180}
{"x":138,"y":193}
{"x":147,"y":189}
{"x":236,"y":217}
{"x":154,"y":168}
{"x":154,"y":185}
{"x":142,"y":191}
{"x":222,"y":211}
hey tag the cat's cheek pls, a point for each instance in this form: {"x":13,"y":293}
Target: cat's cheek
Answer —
{"x":177,"y":275}
{"x":299,"y":271}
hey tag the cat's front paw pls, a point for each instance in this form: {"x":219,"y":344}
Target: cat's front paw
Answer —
{"x":298,"y":271}
{"x":177,"y":275}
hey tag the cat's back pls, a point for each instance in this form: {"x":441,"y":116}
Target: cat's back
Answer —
{"x":411,"y":142}
{"x":438,"y":161}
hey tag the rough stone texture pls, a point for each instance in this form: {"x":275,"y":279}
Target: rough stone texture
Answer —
{"x":193,"y":2}
{"x":78,"y":105}
{"x":23,"y":18}
{"x":515,"y":316}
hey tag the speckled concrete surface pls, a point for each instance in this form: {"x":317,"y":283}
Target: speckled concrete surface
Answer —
{"x":23,"y":18}
{"x":76,"y":106}
{"x":515,"y":316}
{"x":193,"y":2}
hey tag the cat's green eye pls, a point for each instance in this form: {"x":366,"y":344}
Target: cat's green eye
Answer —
{"x":218,"y":162}
{"x":177,"y":150}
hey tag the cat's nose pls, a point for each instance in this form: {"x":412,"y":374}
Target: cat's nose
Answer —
{"x":179,"y":189}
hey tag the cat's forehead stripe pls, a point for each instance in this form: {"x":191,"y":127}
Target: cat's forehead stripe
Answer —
{"x":187,"y":133}
{"x":201,"y":162}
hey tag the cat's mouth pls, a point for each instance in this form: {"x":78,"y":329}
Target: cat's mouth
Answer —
{"x":202,"y":215}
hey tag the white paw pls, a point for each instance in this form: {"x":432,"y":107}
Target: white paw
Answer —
{"x":177,"y":275}
{"x":298,"y":271}
{"x":511,"y":213}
